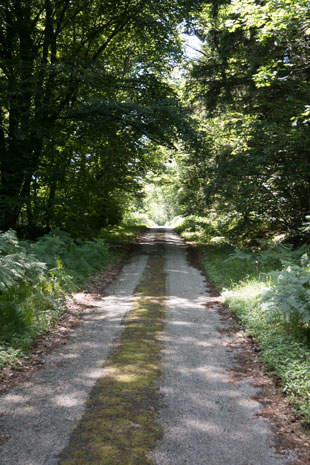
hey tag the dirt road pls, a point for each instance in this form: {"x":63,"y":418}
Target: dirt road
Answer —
{"x":204,"y":417}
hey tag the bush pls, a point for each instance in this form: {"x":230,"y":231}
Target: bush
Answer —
{"x":138,"y":219}
{"x":270,"y":254}
{"x":288,"y":297}
{"x":273,"y":306}
{"x":287,"y":272}
{"x":33,"y":278}
{"x":195,"y":228}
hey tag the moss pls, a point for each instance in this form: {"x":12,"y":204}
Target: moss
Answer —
{"x":118,"y":426}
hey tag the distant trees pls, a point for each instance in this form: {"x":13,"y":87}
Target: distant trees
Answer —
{"x":83,"y":91}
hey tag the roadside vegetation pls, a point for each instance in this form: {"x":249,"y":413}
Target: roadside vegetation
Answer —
{"x":122,"y":234}
{"x":268,"y":289}
{"x":35,"y":276}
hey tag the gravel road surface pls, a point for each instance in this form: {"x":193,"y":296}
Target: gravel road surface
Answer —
{"x":40,"y":416}
{"x":207,"y":419}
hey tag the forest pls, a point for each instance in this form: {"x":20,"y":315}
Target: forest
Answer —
{"x":91,"y":110}
{"x":107,"y":123}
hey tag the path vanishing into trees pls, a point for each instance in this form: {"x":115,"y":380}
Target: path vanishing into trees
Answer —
{"x":146,"y":379}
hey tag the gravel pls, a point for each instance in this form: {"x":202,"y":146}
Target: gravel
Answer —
{"x":207,"y":419}
{"x":40,"y":415}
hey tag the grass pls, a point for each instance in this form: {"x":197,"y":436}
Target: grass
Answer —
{"x":118,"y":426}
{"x":286,"y":353}
{"x":122,"y":234}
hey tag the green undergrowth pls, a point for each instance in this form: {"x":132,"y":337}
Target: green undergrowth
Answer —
{"x":268,"y":289}
{"x":262,"y":289}
{"x":197,"y":229}
{"x":118,"y":426}
{"x":122,"y":234}
{"x":35,"y":276}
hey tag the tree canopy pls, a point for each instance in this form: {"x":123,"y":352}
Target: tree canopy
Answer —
{"x":89,"y":109}
{"x":84,"y":93}
{"x":251,"y":89}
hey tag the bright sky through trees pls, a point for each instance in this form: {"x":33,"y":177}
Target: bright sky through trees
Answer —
{"x":193,"y":45}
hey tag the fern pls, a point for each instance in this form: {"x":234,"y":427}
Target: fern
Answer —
{"x":33,"y":278}
{"x":242,"y":255}
{"x":288,"y":297}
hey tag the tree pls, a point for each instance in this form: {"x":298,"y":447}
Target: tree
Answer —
{"x":253,"y":82}
{"x":68,"y":67}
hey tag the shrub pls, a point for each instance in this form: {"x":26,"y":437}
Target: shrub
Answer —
{"x":242,"y":279}
{"x":196,"y":228}
{"x":288,"y":297}
{"x":33,"y":278}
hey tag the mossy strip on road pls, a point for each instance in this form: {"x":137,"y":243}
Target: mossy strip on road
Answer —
{"x":118,"y":425}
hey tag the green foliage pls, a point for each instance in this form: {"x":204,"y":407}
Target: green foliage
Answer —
{"x":122,"y":233}
{"x":85,"y":92}
{"x":270,"y":254}
{"x":64,"y":255}
{"x":243,"y":280}
{"x":197,"y":229}
{"x":288,"y":297}
{"x":22,"y":279}
{"x":250,"y":91}
{"x":137,"y":218}
{"x":34,"y":276}
{"x":227,"y":272}
{"x":158,"y":199}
